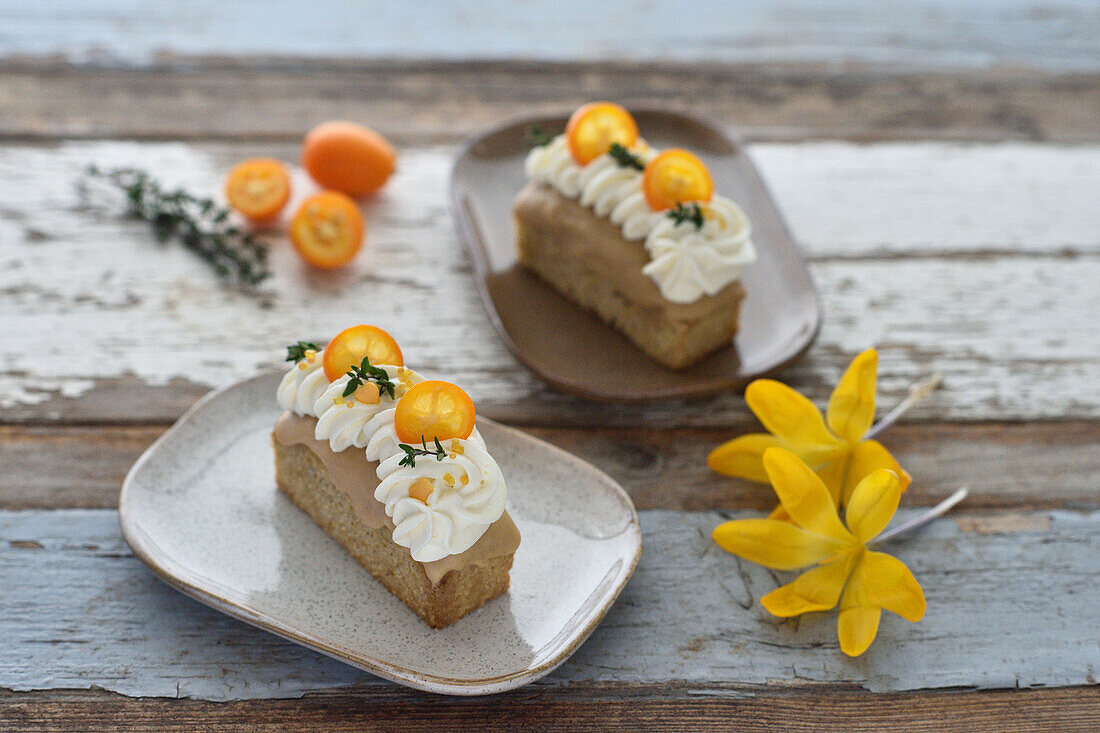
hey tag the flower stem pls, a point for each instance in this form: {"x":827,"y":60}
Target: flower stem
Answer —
{"x":939,"y":510}
{"x":917,"y":392}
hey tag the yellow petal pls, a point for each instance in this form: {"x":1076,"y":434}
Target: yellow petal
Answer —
{"x":834,"y":473}
{"x":788,"y":415}
{"x":815,"y":590}
{"x":888,"y":583}
{"x":774,"y":544}
{"x":857,"y":623}
{"x":852,"y":405}
{"x":866,"y":458}
{"x":856,"y":628}
{"x":873,"y":504}
{"x":741,"y":457}
{"x":803,"y":494}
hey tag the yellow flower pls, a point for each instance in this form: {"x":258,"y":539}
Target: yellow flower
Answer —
{"x":863,"y":581}
{"x":838,"y":453}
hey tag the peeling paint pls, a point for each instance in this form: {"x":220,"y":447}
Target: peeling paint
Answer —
{"x":100,"y":299}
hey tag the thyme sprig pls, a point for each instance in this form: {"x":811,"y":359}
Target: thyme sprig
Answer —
{"x":625,"y":158}
{"x":199,"y":223}
{"x":689,"y":212}
{"x":411,"y":452}
{"x":297,"y":352}
{"x":537,"y":137}
{"x":363,"y":373}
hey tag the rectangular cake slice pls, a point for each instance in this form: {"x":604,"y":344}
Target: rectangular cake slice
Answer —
{"x":587,"y":259}
{"x":337,"y":490}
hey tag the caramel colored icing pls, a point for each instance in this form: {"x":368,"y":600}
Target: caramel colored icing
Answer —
{"x":353,"y":474}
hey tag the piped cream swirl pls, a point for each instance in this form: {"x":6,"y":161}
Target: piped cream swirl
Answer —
{"x":688,"y":262}
{"x":302,"y":385}
{"x":467,"y":492}
{"x":553,"y":165}
{"x":343,"y":422}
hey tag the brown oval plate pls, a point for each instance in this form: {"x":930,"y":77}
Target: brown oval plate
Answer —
{"x":573,"y":349}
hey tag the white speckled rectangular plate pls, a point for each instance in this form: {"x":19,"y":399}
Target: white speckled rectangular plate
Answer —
{"x":201,"y":509}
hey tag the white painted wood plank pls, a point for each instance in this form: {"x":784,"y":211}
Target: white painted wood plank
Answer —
{"x":88,"y":297}
{"x":848,"y":200}
{"x":1010,"y":604}
{"x":1060,"y":34}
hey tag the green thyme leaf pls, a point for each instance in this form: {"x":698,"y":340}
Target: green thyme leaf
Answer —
{"x":297,"y":352}
{"x":365,"y":372}
{"x":690,"y":212}
{"x":198,"y":223}
{"x":537,"y":137}
{"x":625,"y":158}
{"x":411,"y":452}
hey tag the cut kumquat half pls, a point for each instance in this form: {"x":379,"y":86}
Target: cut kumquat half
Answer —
{"x":595,"y":126}
{"x":434,"y":410}
{"x":328,"y":230}
{"x":351,"y":345}
{"x":676,"y":176}
{"x":258,"y":188}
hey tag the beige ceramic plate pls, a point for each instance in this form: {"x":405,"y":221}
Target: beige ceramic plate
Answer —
{"x":571,"y":348}
{"x":200,"y":508}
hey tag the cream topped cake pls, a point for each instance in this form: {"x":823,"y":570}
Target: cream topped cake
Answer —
{"x":635,"y":234}
{"x":392,"y":466}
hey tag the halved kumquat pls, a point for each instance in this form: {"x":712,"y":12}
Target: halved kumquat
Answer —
{"x":674,"y":177}
{"x":595,"y":126}
{"x":351,"y":345}
{"x":258,"y":188}
{"x":434,"y":410}
{"x":328,"y":230}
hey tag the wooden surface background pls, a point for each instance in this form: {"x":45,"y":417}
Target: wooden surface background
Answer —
{"x":946,"y":202}
{"x":1056,"y":34}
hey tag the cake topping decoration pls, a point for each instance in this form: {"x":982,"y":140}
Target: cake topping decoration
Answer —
{"x":689,"y":212}
{"x":676,"y":176}
{"x":346,"y":407}
{"x":421,"y":489}
{"x":688,"y":261}
{"x":595,"y":127}
{"x":364,"y":378}
{"x":439,"y":507}
{"x":411,"y":452}
{"x":434,"y":410}
{"x":305,"y":382}
{"x":354,"y":344}
{"x":537,"y":137}
{"x":625,"y":158}
{"x":698,"y":242}
{"x":302,"y":350}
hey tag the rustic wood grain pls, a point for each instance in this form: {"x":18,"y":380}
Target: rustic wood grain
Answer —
{"x":1006,"y":466}
{"x":422,"y":102}
{"x":78,"y":604}
{"x":978,"y":33}
{"x":977,"y":260}
{"x":936,"y":287}
{"x":621,"y":706}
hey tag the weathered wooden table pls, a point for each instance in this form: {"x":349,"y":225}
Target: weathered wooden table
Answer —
{"x":950,"y":219}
